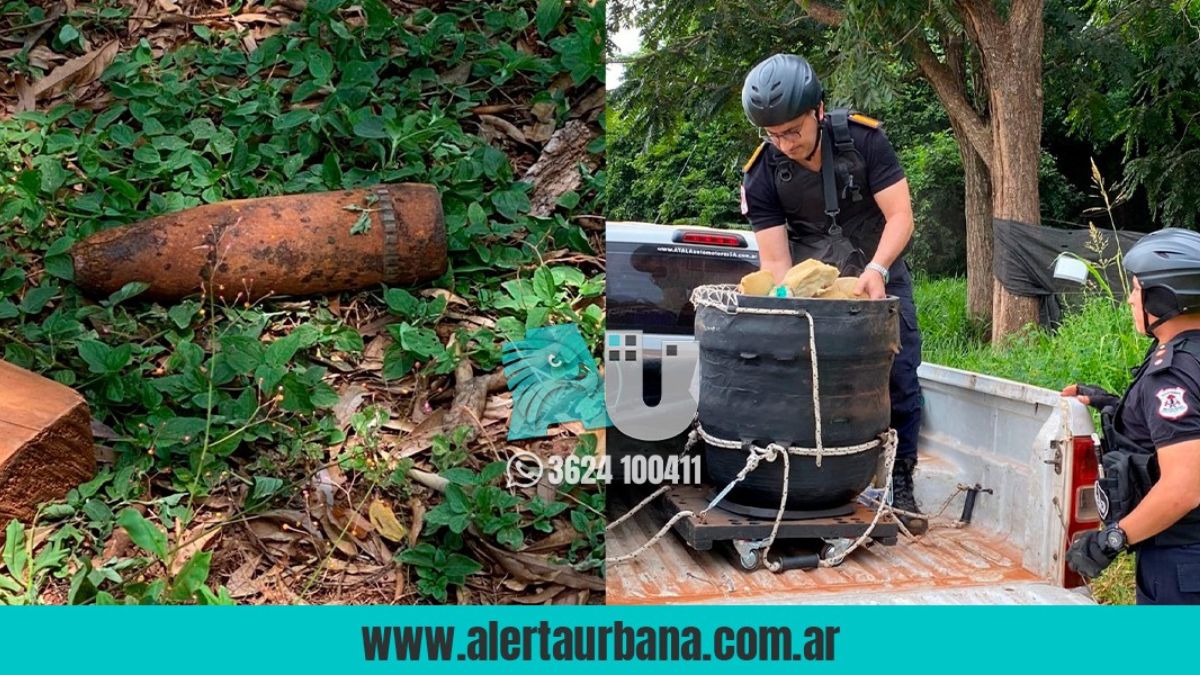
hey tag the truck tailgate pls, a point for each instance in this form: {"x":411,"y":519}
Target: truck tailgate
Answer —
{"x":947,"y":566}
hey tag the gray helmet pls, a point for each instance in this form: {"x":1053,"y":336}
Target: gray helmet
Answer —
{"x":1167,"y":265}
{"x":779,"y":90}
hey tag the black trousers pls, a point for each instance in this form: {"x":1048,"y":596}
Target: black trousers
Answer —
{"x":1168,"y":575}
{"x":904,"y":387}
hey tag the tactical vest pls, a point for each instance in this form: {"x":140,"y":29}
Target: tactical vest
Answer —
{"x":848,"y":170}
{"x":1130,"y":470}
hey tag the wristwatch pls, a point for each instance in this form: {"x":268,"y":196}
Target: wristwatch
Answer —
{"x":1115,"y":539}
{"x":883,"y":271}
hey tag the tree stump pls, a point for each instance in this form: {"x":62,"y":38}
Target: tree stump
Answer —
{"x":45,"y":442}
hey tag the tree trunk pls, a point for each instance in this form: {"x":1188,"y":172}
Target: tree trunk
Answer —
{"x":973,"y":135}
{"x":1017,"y":130}
{"x":978,"y":203}
{"x":1011,"y":56}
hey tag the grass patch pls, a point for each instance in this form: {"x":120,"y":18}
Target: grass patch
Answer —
{"x":1095,"y":344}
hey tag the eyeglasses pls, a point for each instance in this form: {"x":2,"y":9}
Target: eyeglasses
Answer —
{"x":792,"y":135}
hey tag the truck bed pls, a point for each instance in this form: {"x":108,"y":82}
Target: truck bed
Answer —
{"x":1011,"y":440}
{"x":945,"y":566}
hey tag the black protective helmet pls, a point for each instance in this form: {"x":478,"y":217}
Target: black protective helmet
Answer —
{"x":1167,"y":265}
{"x":779,"y":90}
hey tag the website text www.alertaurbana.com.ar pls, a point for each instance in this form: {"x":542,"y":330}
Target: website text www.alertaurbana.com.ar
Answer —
{"x":614,"y":642}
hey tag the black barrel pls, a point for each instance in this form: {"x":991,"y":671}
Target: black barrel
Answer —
{"x":756,"y":386}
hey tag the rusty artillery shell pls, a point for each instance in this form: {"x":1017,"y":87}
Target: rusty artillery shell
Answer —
{"x":289,"y":245}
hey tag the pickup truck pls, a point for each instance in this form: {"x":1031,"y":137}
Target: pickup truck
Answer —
{"x":1030,"y":452}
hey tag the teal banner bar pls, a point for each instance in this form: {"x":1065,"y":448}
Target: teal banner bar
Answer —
{"x":694,"y":639}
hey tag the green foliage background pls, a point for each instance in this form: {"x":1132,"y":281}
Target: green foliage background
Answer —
{"x":1119,"y":89}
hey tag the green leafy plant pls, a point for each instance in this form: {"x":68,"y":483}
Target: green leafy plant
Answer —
{"x":437,"y":570}
{"x":187,"y":585}
{"x":24,"y":573}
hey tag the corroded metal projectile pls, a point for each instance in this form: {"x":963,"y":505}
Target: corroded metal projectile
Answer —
{"x":290,"y":245}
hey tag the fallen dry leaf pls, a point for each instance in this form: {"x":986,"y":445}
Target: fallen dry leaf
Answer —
{"x":102,"y":431}
{"x":535,"y":568}
{"x":359,"y":527}
{"x":399,"y":425}
{"x":579,"y":597}
{"x":118,"y":546}
{"x":451,"y":298}
{"x":241,"y":583}
{"x":136,"y":16}
{"x":385,"y":522}
{"x":78,"y":71}
{"x":562,"y":536}
{"x":491,"y":109}
{"x":592,"y":101}
{"x":458,"y":75}
{"x":372,"y":358}
{"x":194,"y":539}
{"x":254,"y":17}
{"x":352,"y":568}
{"x":515,"y":584}
{"x":418,"y":520}
{"x":44,"y":58}
{"x":349,"y":400}
{"x":421,"y":437}
{"x":495,"y":127}
{"x":541,"y":597}
{"x":342,"y":541}
{"x":476,"y":319}
{"x":539,"y":132}
{"x":26,"y":100}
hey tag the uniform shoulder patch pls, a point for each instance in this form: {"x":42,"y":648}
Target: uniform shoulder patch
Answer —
{"x":859,"y":118}
{"x":754,"y":157}
{"x":1171,"y":403}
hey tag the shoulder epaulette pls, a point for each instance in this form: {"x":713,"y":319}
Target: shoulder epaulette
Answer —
{"x":859,"y":118}
{"x":753,"y":158}
{"x":1161,"y":359}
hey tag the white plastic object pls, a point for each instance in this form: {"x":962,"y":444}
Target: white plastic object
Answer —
{"x":1070,"y":268}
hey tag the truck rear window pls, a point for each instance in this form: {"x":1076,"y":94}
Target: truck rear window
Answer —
{"x":650,"y":285}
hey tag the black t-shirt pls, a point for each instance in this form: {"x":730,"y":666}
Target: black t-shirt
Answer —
{"x":760,"y":201}
{"x":1162,"y":406}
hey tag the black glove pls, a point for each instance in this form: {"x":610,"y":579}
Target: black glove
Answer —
{"x":1089,"y":555}
{"x":1098,"y":397}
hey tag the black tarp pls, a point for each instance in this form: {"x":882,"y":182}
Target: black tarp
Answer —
{"x":1024,"y":256}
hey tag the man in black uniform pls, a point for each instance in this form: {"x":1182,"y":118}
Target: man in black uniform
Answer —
{"x":829,"y":186}
{"x":1149,"y":492}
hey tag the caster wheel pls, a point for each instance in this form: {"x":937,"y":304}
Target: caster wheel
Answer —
{"x":750,"y":561}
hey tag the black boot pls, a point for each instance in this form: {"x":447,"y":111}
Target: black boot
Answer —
{"x":902,"y":495}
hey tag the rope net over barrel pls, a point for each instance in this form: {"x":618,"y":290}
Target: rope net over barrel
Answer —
{"x":725,"y":298}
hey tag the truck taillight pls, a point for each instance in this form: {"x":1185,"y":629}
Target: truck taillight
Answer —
{"x":712,"y":239}
{"x":1083,"y":513}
